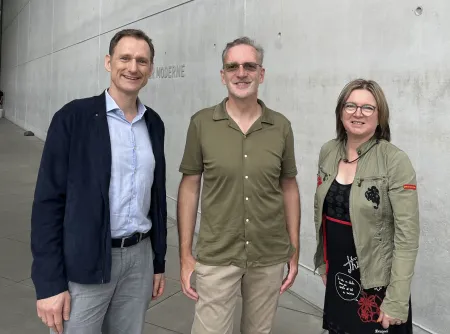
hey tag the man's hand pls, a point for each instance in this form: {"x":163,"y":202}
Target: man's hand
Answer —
{"x":187,"y":268}
{"x":387,"y":321}
{"x":54,"y":310}
{"x":324,"y":279}
{"x":292,"y":273}
{"x":159,"y":282}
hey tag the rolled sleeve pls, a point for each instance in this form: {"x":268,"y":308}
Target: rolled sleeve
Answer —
{"x":192,"y":162}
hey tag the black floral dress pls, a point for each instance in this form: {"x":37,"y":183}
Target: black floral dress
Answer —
{"x":348,"y":308}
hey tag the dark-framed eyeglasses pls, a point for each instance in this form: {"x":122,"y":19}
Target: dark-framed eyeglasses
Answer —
{"x":366,"y":109}
{"x":248,"y":66}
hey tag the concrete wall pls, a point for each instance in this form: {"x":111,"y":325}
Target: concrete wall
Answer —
{"x":52,"y":52}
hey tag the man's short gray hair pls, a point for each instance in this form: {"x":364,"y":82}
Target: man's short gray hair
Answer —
{"x":244,"y":41}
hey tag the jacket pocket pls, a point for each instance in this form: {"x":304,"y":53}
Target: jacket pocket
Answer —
{"x":372,"y":198}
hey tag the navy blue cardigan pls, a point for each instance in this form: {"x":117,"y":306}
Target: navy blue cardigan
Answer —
{"x":70,"y":222}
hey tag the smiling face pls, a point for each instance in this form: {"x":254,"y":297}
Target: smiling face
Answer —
{"x":244,"y":80}
{"x":130,"y":65}
{"x":362,"y":122}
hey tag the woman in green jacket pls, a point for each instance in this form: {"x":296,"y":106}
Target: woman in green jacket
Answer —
{"x":367,"y":219}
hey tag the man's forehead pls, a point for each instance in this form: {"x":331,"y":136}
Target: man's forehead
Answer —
{"x":127,"y":44}
{"x":242,"y":52}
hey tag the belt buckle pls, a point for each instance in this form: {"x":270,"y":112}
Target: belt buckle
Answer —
{"x":131,"y":236}
{"x":123,"y":242}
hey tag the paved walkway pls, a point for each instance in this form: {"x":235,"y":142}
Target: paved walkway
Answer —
{"x":173,"y":313}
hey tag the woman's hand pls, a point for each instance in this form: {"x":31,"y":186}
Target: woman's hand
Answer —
{"x":387,"y":321}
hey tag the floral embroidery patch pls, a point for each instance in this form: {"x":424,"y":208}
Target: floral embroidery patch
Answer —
{"x":369,"y":307}
{"x":373,"y":195}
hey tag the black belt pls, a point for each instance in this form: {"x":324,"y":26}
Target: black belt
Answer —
{"x":129,"y":241}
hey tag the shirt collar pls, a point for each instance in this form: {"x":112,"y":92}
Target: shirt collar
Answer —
{"x":220,"y":112}
{"x":111,"y":105}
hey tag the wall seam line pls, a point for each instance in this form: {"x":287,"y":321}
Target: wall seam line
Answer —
{"x":104,"y":33}
{"x":15,"y":17}
{"x":99,"y":44}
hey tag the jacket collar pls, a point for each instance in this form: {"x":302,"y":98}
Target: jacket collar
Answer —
{"x":100,"y":106}
{"x":361,"y":149}
{"x":220,"y":112}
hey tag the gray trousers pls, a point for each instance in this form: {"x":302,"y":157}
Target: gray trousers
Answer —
{"x":119,"y":306}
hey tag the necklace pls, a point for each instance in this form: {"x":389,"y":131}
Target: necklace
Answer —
{"x":349,"y":162}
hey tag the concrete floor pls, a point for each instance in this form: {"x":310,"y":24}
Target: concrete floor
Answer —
{"x":173,"y":313}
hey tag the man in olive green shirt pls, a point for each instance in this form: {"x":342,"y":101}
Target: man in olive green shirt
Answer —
{"x":250,"y":207}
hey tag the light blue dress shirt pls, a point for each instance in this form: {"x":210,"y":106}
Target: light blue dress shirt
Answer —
{"x":132,"y":168}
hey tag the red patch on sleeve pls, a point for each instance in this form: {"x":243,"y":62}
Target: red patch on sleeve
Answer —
{"x":319,"y":180}
{"x":410,"y":187}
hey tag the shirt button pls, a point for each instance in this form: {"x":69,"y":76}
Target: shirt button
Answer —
{"x":246,"y":176}
{"x":247,"y":220}
{"x":359,"y":152}
{"x":245,"y":156}
{"x":247,"y":242}
{"x":246,"y":198}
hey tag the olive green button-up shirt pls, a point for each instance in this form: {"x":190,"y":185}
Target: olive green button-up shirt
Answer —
{"x":242,"y":220}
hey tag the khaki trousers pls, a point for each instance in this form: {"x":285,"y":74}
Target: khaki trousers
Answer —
{"x":218,"y":287}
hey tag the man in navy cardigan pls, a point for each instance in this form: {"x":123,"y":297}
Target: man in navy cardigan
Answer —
{"x":99,"y":233}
